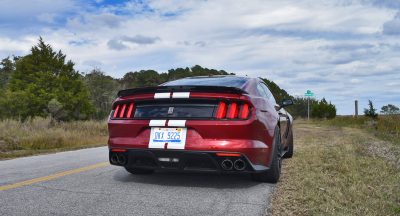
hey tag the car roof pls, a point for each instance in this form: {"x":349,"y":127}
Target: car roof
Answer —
{"x":216,"y":80}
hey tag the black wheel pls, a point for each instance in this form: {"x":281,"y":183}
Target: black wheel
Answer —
{"x":289,"y":152}
{"x":139,"y":171}
{"x":273,"y":173}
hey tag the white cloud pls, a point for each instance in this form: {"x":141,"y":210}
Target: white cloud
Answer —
{"x":338,"y":49}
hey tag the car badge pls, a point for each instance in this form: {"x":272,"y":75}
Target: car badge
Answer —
{"x":170,"y":110}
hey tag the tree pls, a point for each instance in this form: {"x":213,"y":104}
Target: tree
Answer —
{"x":371,"y":111}
{"x":6,"y":70}
{"x":323,"y":109}
{"x":41,"y":76}
{"x":103,"y":90}
{"x":146,"y":78}
{"x":390,"y":109}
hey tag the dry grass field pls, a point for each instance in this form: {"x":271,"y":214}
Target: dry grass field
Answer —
{"x":40,"y":135}
{"x":338,"y":170}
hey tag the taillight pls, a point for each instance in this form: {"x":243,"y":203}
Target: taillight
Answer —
{"x":232,"y":111}
{"x":131,"y":106}
{"x":124,"y":110}
{"x":121,"y":114}
{"x":221,"y":113}
{"x":116,"y":111}
{"x":244,"y":111}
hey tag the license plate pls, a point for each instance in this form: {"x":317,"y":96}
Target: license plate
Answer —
{"x":167,"y":138}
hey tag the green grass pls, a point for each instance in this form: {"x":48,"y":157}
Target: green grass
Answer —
{"x":40,"y":135}
{"x":335,"y":171}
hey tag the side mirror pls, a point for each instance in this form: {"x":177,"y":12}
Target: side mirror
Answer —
{"x":285,"y":103}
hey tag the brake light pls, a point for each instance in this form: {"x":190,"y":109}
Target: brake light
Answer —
{"x":121,"y":114}
{"x":116,"y":111}
{"x":233,"y":110}
{"x":124,"y":110}
{"x":221,"y":113}
{"x":130,"y":111}
{"x":244,"y":111}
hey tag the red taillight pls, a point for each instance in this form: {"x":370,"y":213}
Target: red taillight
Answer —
{"x":124,"y":110}
{"x":221,"y":110}
{"x":121,"y":114}
{"x":232,"y":110}
{"x":244,"y":111}
{"x":130,"y":111}
{"x":116,"y":111}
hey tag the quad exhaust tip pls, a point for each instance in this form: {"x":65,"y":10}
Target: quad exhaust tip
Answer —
{"x":121,"y":159}
{"x":227,"y":164}
{"x":114,"y":159}
{"x":118,"y":159}
{"x":239,"y":165}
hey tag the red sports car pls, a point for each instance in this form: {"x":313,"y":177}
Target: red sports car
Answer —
{"x":208,"y":123}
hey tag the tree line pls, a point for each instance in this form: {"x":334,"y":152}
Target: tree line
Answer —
{"x":43,"y":83}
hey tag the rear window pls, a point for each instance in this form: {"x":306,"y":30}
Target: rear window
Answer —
{"x":228,"y":81}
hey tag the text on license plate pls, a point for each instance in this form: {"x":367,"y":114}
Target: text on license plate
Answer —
{"x":169,"y":138}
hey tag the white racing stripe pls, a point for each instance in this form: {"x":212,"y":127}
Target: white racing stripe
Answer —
{"x":176,"y":123}
{"x":162,"y":95}
{"x":180,"y":95}
{"x":157,"y":123}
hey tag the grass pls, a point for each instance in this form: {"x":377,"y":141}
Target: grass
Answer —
{"x":336,"y":171}
{"x":386,"y":127}
{"x":40,"y":135}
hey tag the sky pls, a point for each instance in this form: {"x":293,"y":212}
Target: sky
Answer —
{"x":342,"y":50}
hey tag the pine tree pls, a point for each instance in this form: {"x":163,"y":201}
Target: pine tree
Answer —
{"x":44,"y":76}
{"x":371,"y":111}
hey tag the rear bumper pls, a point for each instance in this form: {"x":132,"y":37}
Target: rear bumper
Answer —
{"x":183,"y":160}
{"x":251,"y":138}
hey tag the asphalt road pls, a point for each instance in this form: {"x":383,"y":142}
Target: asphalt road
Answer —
{"x":80,"y":183}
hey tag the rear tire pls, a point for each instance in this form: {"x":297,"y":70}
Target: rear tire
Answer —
{"x":289,"y":153}
{"x":273,"y":173}
{"x":139,"y":171}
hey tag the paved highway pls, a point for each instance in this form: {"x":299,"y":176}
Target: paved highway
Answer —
{"x":83,"y":183}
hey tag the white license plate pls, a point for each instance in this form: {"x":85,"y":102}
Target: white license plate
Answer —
{"x":167,"y":138}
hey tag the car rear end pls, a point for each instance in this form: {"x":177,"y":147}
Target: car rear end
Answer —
{"x":188,"y":128}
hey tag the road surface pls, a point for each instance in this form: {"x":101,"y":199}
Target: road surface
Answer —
{"x":83,"y":183}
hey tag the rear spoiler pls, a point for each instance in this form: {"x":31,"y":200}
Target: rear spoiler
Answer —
{"x":159,"y":89}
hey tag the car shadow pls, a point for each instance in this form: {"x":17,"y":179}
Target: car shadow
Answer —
{"x":171,"y":178}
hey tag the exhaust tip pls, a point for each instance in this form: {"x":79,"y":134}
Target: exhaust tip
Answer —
{"x":227,"y":164}
{"x":121,"y":159}
{"x":114,"y":159}
{"x":239,"y":165}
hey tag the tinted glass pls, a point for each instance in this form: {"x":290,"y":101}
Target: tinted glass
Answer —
{"x":229,"y":81}
{"x":179,"y":111}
